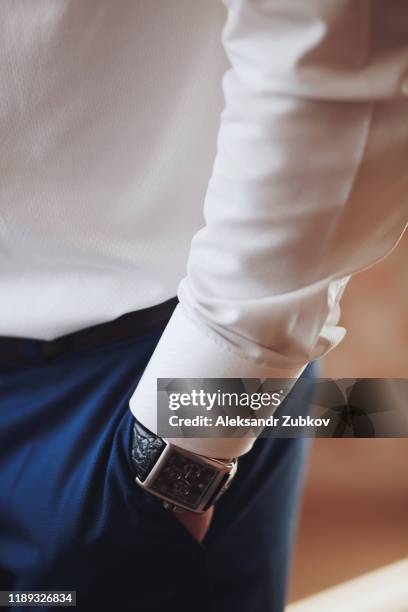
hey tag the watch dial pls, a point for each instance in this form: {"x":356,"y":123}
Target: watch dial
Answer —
{"x":184,"y":479}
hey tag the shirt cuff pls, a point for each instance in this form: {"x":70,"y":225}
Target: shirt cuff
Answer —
{"x":187,"y":350}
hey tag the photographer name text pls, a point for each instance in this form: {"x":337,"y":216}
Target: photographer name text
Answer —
{"x":238,"y":421}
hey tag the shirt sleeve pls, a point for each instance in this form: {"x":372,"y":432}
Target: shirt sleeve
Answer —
{"x":308,"y":187}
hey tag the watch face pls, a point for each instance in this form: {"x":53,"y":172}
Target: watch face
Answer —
{"x":184,"y":479}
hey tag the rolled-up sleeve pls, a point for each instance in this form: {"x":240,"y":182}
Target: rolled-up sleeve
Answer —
{"x":309,"y":186}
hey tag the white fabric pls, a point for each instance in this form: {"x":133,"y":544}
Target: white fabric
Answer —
{"x":109,"y":126}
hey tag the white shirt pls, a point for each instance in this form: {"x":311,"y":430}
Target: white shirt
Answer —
{"x":118,"y":130}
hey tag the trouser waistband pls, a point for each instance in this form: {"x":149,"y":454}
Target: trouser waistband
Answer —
{"x":20,"y":351}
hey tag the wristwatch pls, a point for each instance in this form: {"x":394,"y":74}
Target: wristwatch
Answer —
{"x":181,"y":479}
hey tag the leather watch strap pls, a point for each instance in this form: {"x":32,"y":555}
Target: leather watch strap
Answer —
{"x":146,"y":449}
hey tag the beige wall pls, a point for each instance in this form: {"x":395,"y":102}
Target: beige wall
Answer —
{"x":355,"y":510}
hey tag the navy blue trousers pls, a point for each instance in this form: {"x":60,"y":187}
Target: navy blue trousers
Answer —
{"x":71,"y":516}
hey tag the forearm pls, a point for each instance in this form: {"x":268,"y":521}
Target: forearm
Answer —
{"x":307,"y":189}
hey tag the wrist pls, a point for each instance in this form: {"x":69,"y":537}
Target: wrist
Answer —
{"x":180,"y":478}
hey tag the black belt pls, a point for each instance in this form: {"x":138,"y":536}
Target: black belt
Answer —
{"x":20,"y":351}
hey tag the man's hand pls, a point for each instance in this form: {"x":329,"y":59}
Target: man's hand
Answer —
{"x":196,"y":524}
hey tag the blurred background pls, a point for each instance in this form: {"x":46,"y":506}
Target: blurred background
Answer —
{"x":354,"y":516}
